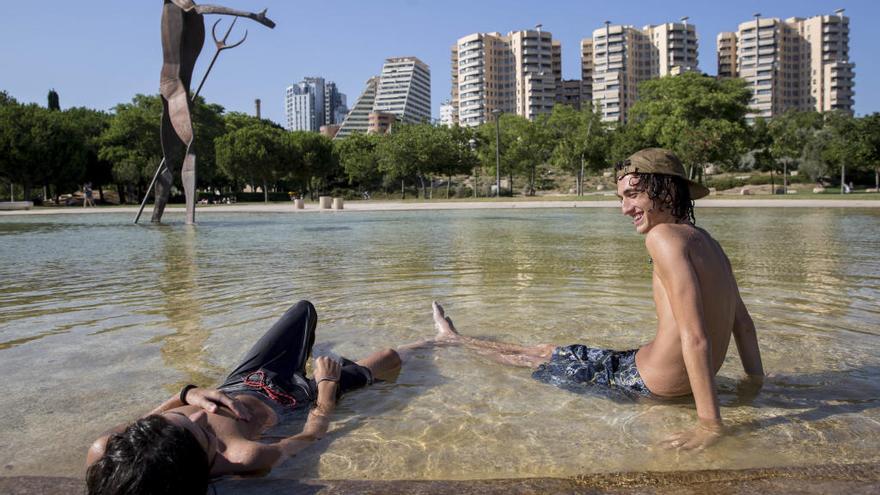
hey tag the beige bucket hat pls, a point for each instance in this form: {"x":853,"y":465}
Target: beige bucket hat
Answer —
{"x":658,"y":161}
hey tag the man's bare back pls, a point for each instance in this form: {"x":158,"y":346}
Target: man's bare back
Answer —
{"x":661,"y":362}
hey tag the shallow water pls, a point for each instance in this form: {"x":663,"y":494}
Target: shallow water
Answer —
{"x":101,"y":320}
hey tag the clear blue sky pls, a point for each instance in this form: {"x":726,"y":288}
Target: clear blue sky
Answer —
{"x":99,"y":53}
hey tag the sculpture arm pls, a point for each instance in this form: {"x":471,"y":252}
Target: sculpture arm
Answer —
{"x":217,"y":9}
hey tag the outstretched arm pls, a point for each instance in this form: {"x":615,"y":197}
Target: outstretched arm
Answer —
{"x":747,"y":341}
{"x":219,"y":9}
{"x":327,"y":373}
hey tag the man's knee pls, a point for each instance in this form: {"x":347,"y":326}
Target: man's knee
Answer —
{"x":307,"y":308}
{"x":390,"y":356}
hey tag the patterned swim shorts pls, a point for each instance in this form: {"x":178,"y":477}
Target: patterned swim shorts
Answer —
{"x":581,"y":368}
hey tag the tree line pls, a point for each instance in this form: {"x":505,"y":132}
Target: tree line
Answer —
{"x":46,"y":151}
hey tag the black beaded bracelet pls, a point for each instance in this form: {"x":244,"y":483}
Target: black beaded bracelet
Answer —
{"x":183,"y":392}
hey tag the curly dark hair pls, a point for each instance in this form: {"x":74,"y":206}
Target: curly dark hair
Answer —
{"x":151,"y":456}
{"x":667,"y":192}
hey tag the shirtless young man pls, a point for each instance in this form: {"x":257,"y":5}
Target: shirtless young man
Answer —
{"x":697,"y":300}
{"x":204,"y":433}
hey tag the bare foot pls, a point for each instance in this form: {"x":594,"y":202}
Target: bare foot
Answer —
{"x":445,"y":329}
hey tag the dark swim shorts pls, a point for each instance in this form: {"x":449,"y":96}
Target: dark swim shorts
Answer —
{"x":581,"y":368}
{"x":275,"y":367}
{"x":288,"y":393}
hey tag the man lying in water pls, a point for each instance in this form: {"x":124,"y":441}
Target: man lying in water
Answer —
{"x":696,"y":297}
{"x":204,"y":433}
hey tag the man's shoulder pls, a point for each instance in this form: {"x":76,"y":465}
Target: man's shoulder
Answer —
{"x":669,"y":234}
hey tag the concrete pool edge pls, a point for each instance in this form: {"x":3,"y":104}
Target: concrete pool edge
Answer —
{"x":852,"y":479}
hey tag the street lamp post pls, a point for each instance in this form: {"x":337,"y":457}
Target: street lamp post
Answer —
{"x":497,"y":113}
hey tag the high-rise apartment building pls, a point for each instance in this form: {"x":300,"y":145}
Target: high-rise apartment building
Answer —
{"x":798,"y":63}
{"x":516,"y":73}
{"x":402,"y":93}
{"x":570,"y":93}
{"x":726,"y":43}
{"x":405,"y":90}
{"x":447,"y":115}
{"x":623,"y":56}
{"x":311,"y":103}
{"x":334,"y":104}
{"x":586,"y":72}
{"x":357,"y":119}
{"x":304,"y":105}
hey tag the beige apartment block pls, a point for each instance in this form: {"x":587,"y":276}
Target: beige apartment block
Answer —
{"x":517,"y":73}
{"x":586,"y":72}
{"x":618,"y":58}
{"x":800,"y":64}
{"x":570,"y":93}
{"x":380,"y":122}
{"x":726,"y":43}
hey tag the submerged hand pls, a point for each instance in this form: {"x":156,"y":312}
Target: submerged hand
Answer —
{"x":706,"y":433}
{"x":210,"y":399}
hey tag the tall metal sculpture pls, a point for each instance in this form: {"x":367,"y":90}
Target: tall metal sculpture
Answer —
{"x":183,"y":34}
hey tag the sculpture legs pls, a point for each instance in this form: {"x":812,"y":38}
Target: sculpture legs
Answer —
{"x":163,"y":191}
{"x":188,"y":177}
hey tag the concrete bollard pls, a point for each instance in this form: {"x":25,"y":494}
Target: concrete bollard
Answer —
{"x":324,"y":202}
{"x":299,"y":204}
{"x":337,"y":203}
{"x":16,"y":205}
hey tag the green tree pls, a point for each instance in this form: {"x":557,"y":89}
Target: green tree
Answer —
{"x":842,"y":149}
{"x":131,"y":143}
{"x":790,"y":134}
{"x":582,"y":141}
{"x":65,"y":151}
{"x":506,"y":129}
{"x":413,"y":150}
{"x":459,"y":156}
{"x":208,"y":125}
{"x":812,"y":161}
{"x":53,"y":102}
{"x":319,"y":166}
{"x":6,"y":99}
{"x":624,"y":140}
{"x":358,"y":157}
{"x":22,"y":134}
{"x":700,"y":118}
{"x":92,"y":124}
{"x":255,"y":152}
{"x":868,"y":136}
{"x":40,"y":147}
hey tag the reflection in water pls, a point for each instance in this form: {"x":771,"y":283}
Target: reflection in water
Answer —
{"x":183,"y":350}
{"x":106,"y":336}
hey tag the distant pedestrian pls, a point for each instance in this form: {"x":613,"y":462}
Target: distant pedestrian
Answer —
{"x":87,"y":195}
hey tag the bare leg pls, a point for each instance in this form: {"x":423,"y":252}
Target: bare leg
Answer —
{"x":384,"y":364}
{"x":502,"y":352}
